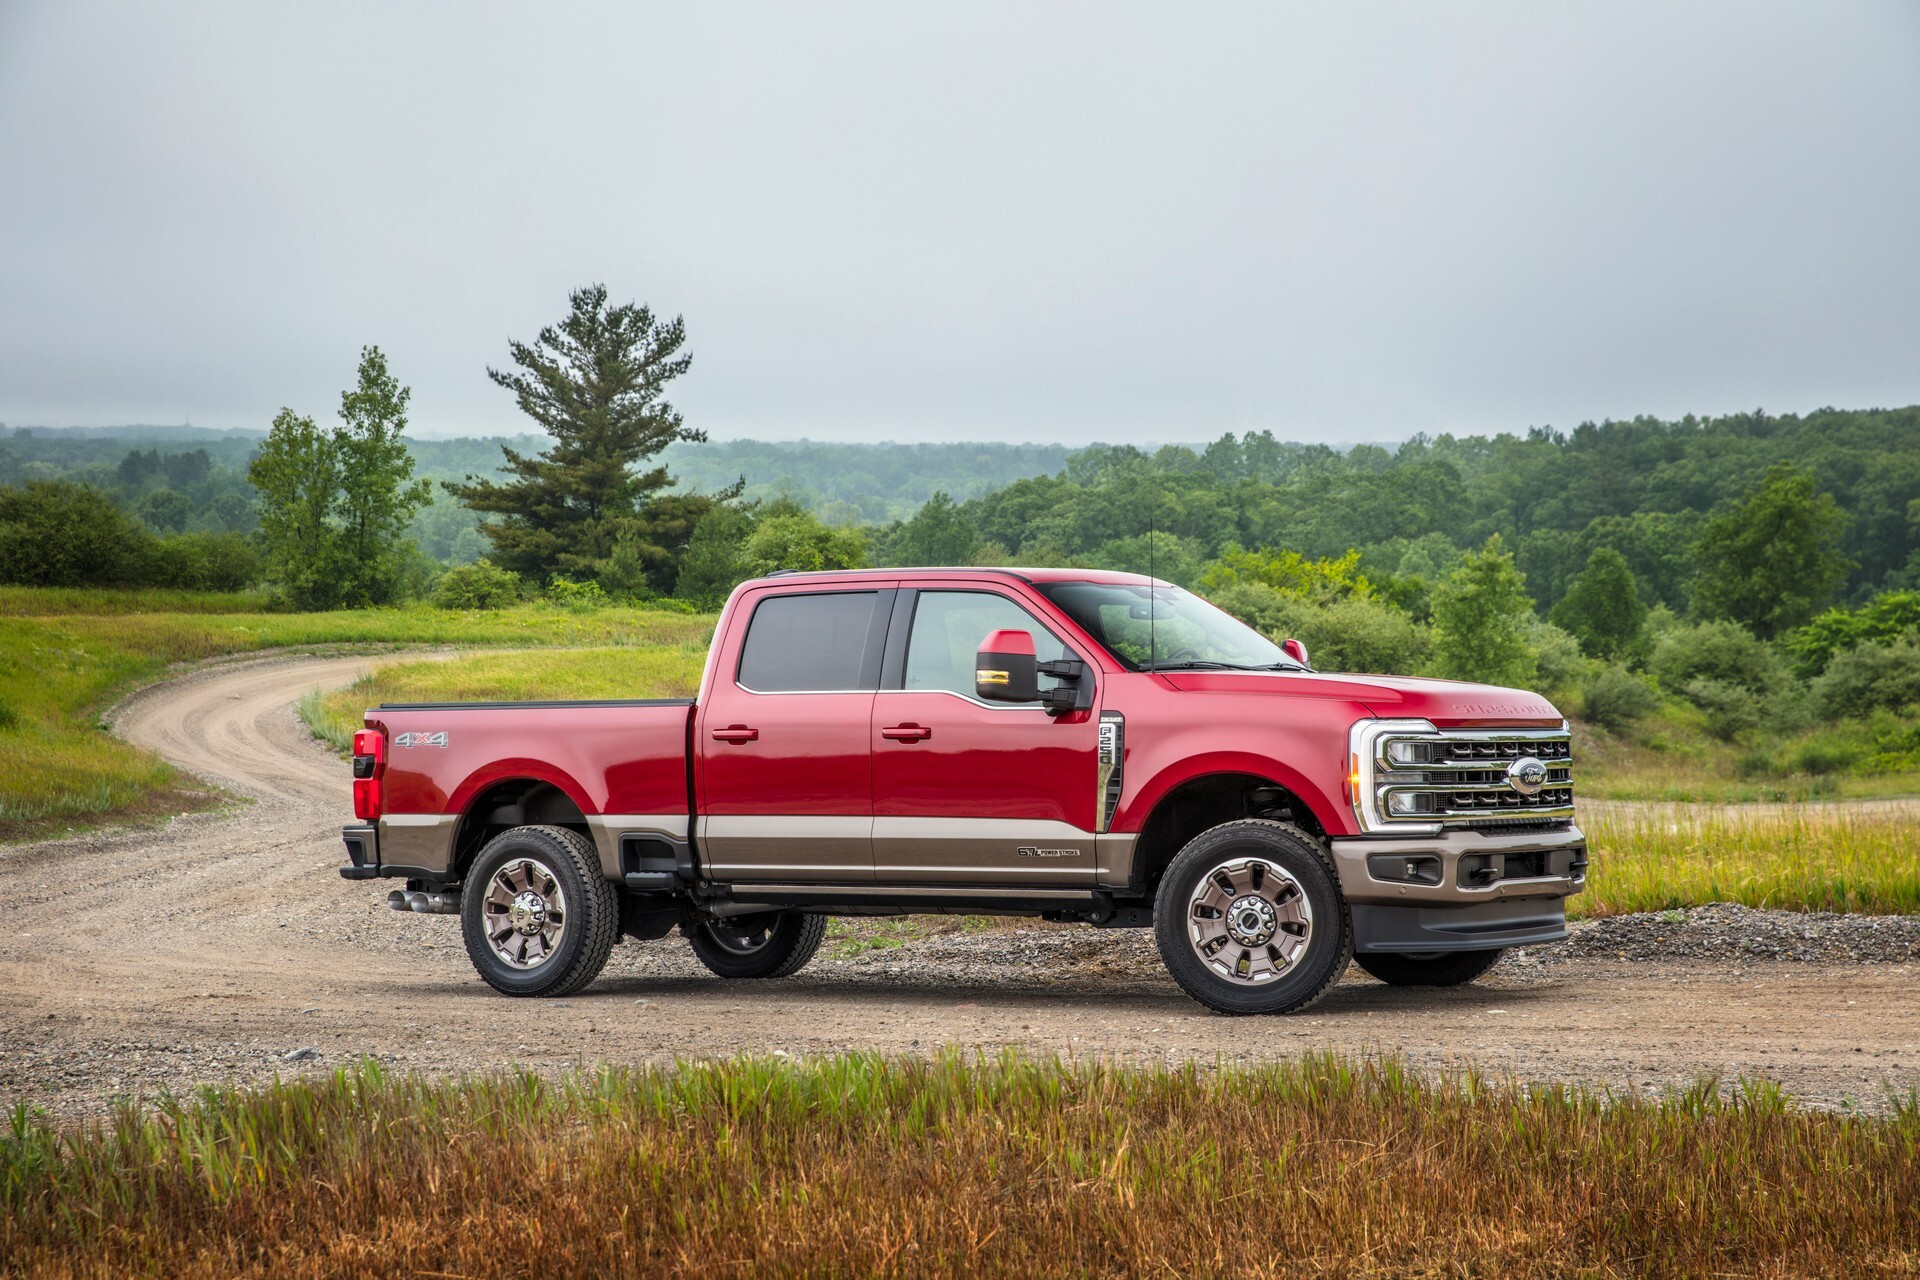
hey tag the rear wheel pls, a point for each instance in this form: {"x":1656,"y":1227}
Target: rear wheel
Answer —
{"x":1249,"y":919}
{"x":1429,"y":968}
{"x":537,"y":916}
{"x":763,"y":945}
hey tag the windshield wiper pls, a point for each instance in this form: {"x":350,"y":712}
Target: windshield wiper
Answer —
{"x":1208,"y":664}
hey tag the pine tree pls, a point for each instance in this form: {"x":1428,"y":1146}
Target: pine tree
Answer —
{"x":595,"y":384}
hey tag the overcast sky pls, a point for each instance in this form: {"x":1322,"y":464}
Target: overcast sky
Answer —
{"x":970,"y":221}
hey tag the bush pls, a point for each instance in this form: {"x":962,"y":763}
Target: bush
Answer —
{"x":1722,"y":651}
{"x":204,"y":562}
{"x":578,"y":595}
{"x":1614,"y":698}
{"x":1355,"y":634}
{"x":1823,"y":755}
{"x":480,"y":585}
{"x":1731,"y":711}
{"x":1872,"y":677}
{"x":56,"y":534}
{"x":1556,"y":655}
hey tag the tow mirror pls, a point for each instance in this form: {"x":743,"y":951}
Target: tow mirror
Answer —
{"x":1006,"y":668}
{"x":1295,"y":650}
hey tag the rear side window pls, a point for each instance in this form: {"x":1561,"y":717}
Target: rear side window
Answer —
{"x":808,"y":643}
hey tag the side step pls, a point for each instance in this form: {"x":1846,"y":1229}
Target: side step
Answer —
{"x":743,"y":899}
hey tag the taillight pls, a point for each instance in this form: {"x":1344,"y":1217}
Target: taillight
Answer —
{"x":369,"y":755}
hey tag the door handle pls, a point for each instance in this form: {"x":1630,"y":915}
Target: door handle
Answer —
{"x":735,"y":733}
{"x":906,"y":732}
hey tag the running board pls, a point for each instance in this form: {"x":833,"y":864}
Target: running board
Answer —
{"x":930,"y":899}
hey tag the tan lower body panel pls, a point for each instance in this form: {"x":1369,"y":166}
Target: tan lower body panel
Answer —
{"x":607,"y":828}
{"x":418,"y":840}
{"x":786,"y":848}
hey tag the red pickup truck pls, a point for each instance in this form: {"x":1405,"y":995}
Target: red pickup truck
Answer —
{"x":1074,"y":745}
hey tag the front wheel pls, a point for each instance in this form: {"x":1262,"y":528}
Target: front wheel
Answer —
{"x":1249,"y":919}
{"x":761,"y":945}
{"x":1429,"y":968}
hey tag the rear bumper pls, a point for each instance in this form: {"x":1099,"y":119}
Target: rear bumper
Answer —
{"x":364,"y":860}
{"x":1461,"y":890}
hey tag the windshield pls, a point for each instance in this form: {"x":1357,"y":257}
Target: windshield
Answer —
{"x":1171,"y":629}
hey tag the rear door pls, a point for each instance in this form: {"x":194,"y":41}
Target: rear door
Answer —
{"x":968,"y":792}
{"x":786,"y":782}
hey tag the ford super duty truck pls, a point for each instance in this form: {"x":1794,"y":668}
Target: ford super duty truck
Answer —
{"x":1074,"y":745}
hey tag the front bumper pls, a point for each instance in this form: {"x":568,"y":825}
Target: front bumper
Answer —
{"x":1461,"y":867}
{"x":1461,"y":890}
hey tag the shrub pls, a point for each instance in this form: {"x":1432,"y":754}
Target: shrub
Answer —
{"x":1731,"y":710}
{"x":1556,"y":655}
{"x":480,"y":585}
{"x":56,"y":534}
{"x":578,"y":595}
{"x":1355,"y":634}
{"x":204,"y":562}
{"x":1886,"y":617}
{"x":1823,"y":755}
{"x":1614,"y":698}
{"x":1869,"y":678}
{"x":1722,"y":651}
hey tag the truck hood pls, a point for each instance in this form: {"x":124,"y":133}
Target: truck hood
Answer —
{"x":1450,"y":704}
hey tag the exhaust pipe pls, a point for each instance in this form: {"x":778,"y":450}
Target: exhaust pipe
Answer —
{"x":426,"y":904}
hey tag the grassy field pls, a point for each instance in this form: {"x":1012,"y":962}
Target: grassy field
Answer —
{"x":61,"y":667}
{"x":749,"y":1167}
{"x":1811,"y":858}
{"x":664,"y":670}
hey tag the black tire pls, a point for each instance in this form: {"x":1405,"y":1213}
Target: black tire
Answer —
{"x":590,"y":921}
{"x":763,"y":945}
{"x":1308,"y":890}
{"x":1429,"y":968}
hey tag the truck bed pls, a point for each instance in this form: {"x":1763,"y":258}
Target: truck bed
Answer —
{"x":610,"y":757}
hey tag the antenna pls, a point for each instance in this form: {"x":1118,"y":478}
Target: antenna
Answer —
{"x":1153,"y":596}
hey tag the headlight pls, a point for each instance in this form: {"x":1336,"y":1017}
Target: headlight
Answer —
{"x":1373,"y":762}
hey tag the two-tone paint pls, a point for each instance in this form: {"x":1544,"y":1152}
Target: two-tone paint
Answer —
{"x":926,"y":791}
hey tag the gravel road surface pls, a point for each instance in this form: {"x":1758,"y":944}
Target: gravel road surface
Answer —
{"x":225,"y":948}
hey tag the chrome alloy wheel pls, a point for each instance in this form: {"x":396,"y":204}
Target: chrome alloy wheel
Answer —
{"x":1249,"y":921}
{"x":525,"y":911}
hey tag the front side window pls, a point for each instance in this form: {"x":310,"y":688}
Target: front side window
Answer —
{"x":808,"y":643}
{"x":1165,"y":628}
{"x":948,"y":627}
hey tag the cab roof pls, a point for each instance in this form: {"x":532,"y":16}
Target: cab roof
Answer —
{"x":956,"y":571}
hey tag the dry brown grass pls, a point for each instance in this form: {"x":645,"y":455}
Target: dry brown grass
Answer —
{"x":864,"y":1166}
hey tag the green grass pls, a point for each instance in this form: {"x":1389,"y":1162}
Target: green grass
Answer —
{"x":42,"y":601}
{"x":1818,"y":858}
{"x":60,"y":669}
{"x":663,"y":670}
{"x":999,"y":1166}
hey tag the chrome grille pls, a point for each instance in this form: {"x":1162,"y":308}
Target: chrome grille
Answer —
{"x":1461,"y":777}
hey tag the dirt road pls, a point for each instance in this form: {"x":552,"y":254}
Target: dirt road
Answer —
{"x":210,"y":949}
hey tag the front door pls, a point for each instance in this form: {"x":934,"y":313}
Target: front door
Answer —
{"x":785,"y":782}
{"x":967,"y":792}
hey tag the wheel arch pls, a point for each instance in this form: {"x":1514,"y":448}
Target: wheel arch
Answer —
{"x":1186,"y":805}
{"x":504,"y":803}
